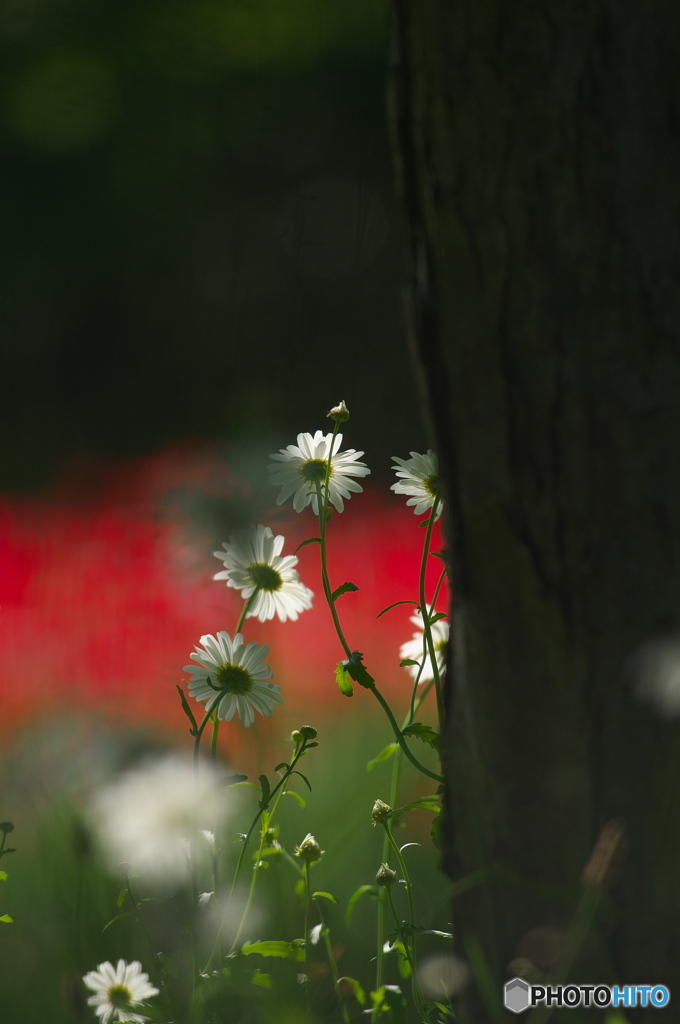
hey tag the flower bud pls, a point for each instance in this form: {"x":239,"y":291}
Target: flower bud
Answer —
{"x":296,"y":736}
{"x":381,"y":812}
{"x":309,"y":850}
{"x":6,"y":826}
{"x":339,"y":413}
{"x":309,"y":732}
{"x":385,"y":876}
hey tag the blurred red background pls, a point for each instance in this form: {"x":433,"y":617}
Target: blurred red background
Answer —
{"x":106,"y":586}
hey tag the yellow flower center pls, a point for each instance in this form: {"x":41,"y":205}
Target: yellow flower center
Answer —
{"x":233,"y":679}
{"x":120,"y":996}
{"x":431,"y":485}
{"x":264,"y":577}
{"x":313,"y":471}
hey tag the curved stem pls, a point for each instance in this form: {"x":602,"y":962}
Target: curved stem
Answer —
{"x":400,"y":739}
{"x":328,"y":593}
{"x":244,"y":611}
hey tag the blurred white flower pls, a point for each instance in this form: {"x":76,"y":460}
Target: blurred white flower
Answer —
{"x":231,"y":676}
{"x":298,"y":468}
{"x":253,"y":562}
{"x":656,"y":671}
{"x":147,"y":816}
{"x":419,"y":478}
{"x":414,"y":649}
{"x":118,"y":991}
{"x":443,"y":975}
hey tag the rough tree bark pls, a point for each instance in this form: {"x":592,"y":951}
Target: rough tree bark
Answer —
{"x":538,"y":166}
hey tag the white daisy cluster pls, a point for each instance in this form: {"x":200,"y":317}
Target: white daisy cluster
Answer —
{"x":253,"y":564}
{"x":147,"y":815}
{"x":119,"y":991}
{"x":416,"y":650}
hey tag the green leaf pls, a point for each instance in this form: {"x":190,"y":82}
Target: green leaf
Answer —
{"x":310,"y":540}
{"x":357,"y":990}
{"x":423,"y":803}
{"x":285,"y":950}
{"x":404,"y":965}
{"x":425,"y":522}
{"x":384,"y":755}
{"x":266,"y":791}
{"x":167,"y":965}
{"x":388,"y":999}
{"x":363,"y":890}
{"x":235,"y":780}
{"x":357,"y":670}
{"x":3,"y":876}
{"x":122,"y":896}
{"x":436,"y":617}
{"x":282,"y":764}
{"x":119,"y":917}
{"x":7,"y":919}
{"x":344,"y":588}
{"x":326,"y":896}
{"x":408,"y":661}
{"x":391,"y":606}
{"x":304,"y":779}
{"x":425,"y":733}
{"x":187,"y":710}
{"x":263,"y":980}
{"x":343,"y":680}
{"x":296,"y":796}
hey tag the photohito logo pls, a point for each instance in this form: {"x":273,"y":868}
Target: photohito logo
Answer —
{"x":518,"y":995}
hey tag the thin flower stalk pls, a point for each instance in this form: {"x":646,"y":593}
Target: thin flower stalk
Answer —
{"x":332,"y":963}
{"x":323,"y":505}
{"x":140,"y":921}
{"x":427,"y":628}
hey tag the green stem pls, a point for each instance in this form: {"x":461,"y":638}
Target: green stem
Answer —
{"x":400,"y":739}
{"x":332,"y":963}
{"x":328,"y":593}
{"x":277,"y":792}
{"x":308,"y":900}
{"x":140,"y":922}
{"x":427,"y":629}
{"x":415,"y":985}
{"x":244,"y":611}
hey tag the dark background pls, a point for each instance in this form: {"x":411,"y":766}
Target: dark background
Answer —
{"x":199,"y":237}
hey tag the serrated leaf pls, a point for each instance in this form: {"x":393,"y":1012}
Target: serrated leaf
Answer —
{"x":408,"y":661}
{"x":363,"y":890}
{"x":187,"y":710}
{"x":284,"y":950}
{"x":425,"y":733}
{"x":326,"y":896}
{"x":122,"y":896}
{"x":344,"y":588}
{"x":357,"y":671}
{"x":296,"y":796}
{"x":384,"y":755}
{"x":310,"y":540}
{"x":7,"y":919}
{"x":235,"y":780}
{"x":266,"y":791}
{"x":357,"y":990}
{"x":395,"y":605}
{"x":118,"y":917}
{"x":343,"y":680}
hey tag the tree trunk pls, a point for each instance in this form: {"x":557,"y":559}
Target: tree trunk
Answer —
{"x":538,"y":167}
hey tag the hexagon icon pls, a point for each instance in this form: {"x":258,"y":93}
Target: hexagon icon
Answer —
{"x":516,"y":995}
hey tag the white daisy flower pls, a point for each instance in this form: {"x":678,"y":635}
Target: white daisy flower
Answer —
{"x":414,"y":649}
{"x":253,"y":563}
{"x":147,"y":815}
{"x":298,"y":468}
{"x":419,"y":479}
{"x":232,"y":676}
{"x":118,"y":991}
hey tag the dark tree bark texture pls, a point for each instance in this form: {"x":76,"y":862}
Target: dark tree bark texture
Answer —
{"x":538,"y":166}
